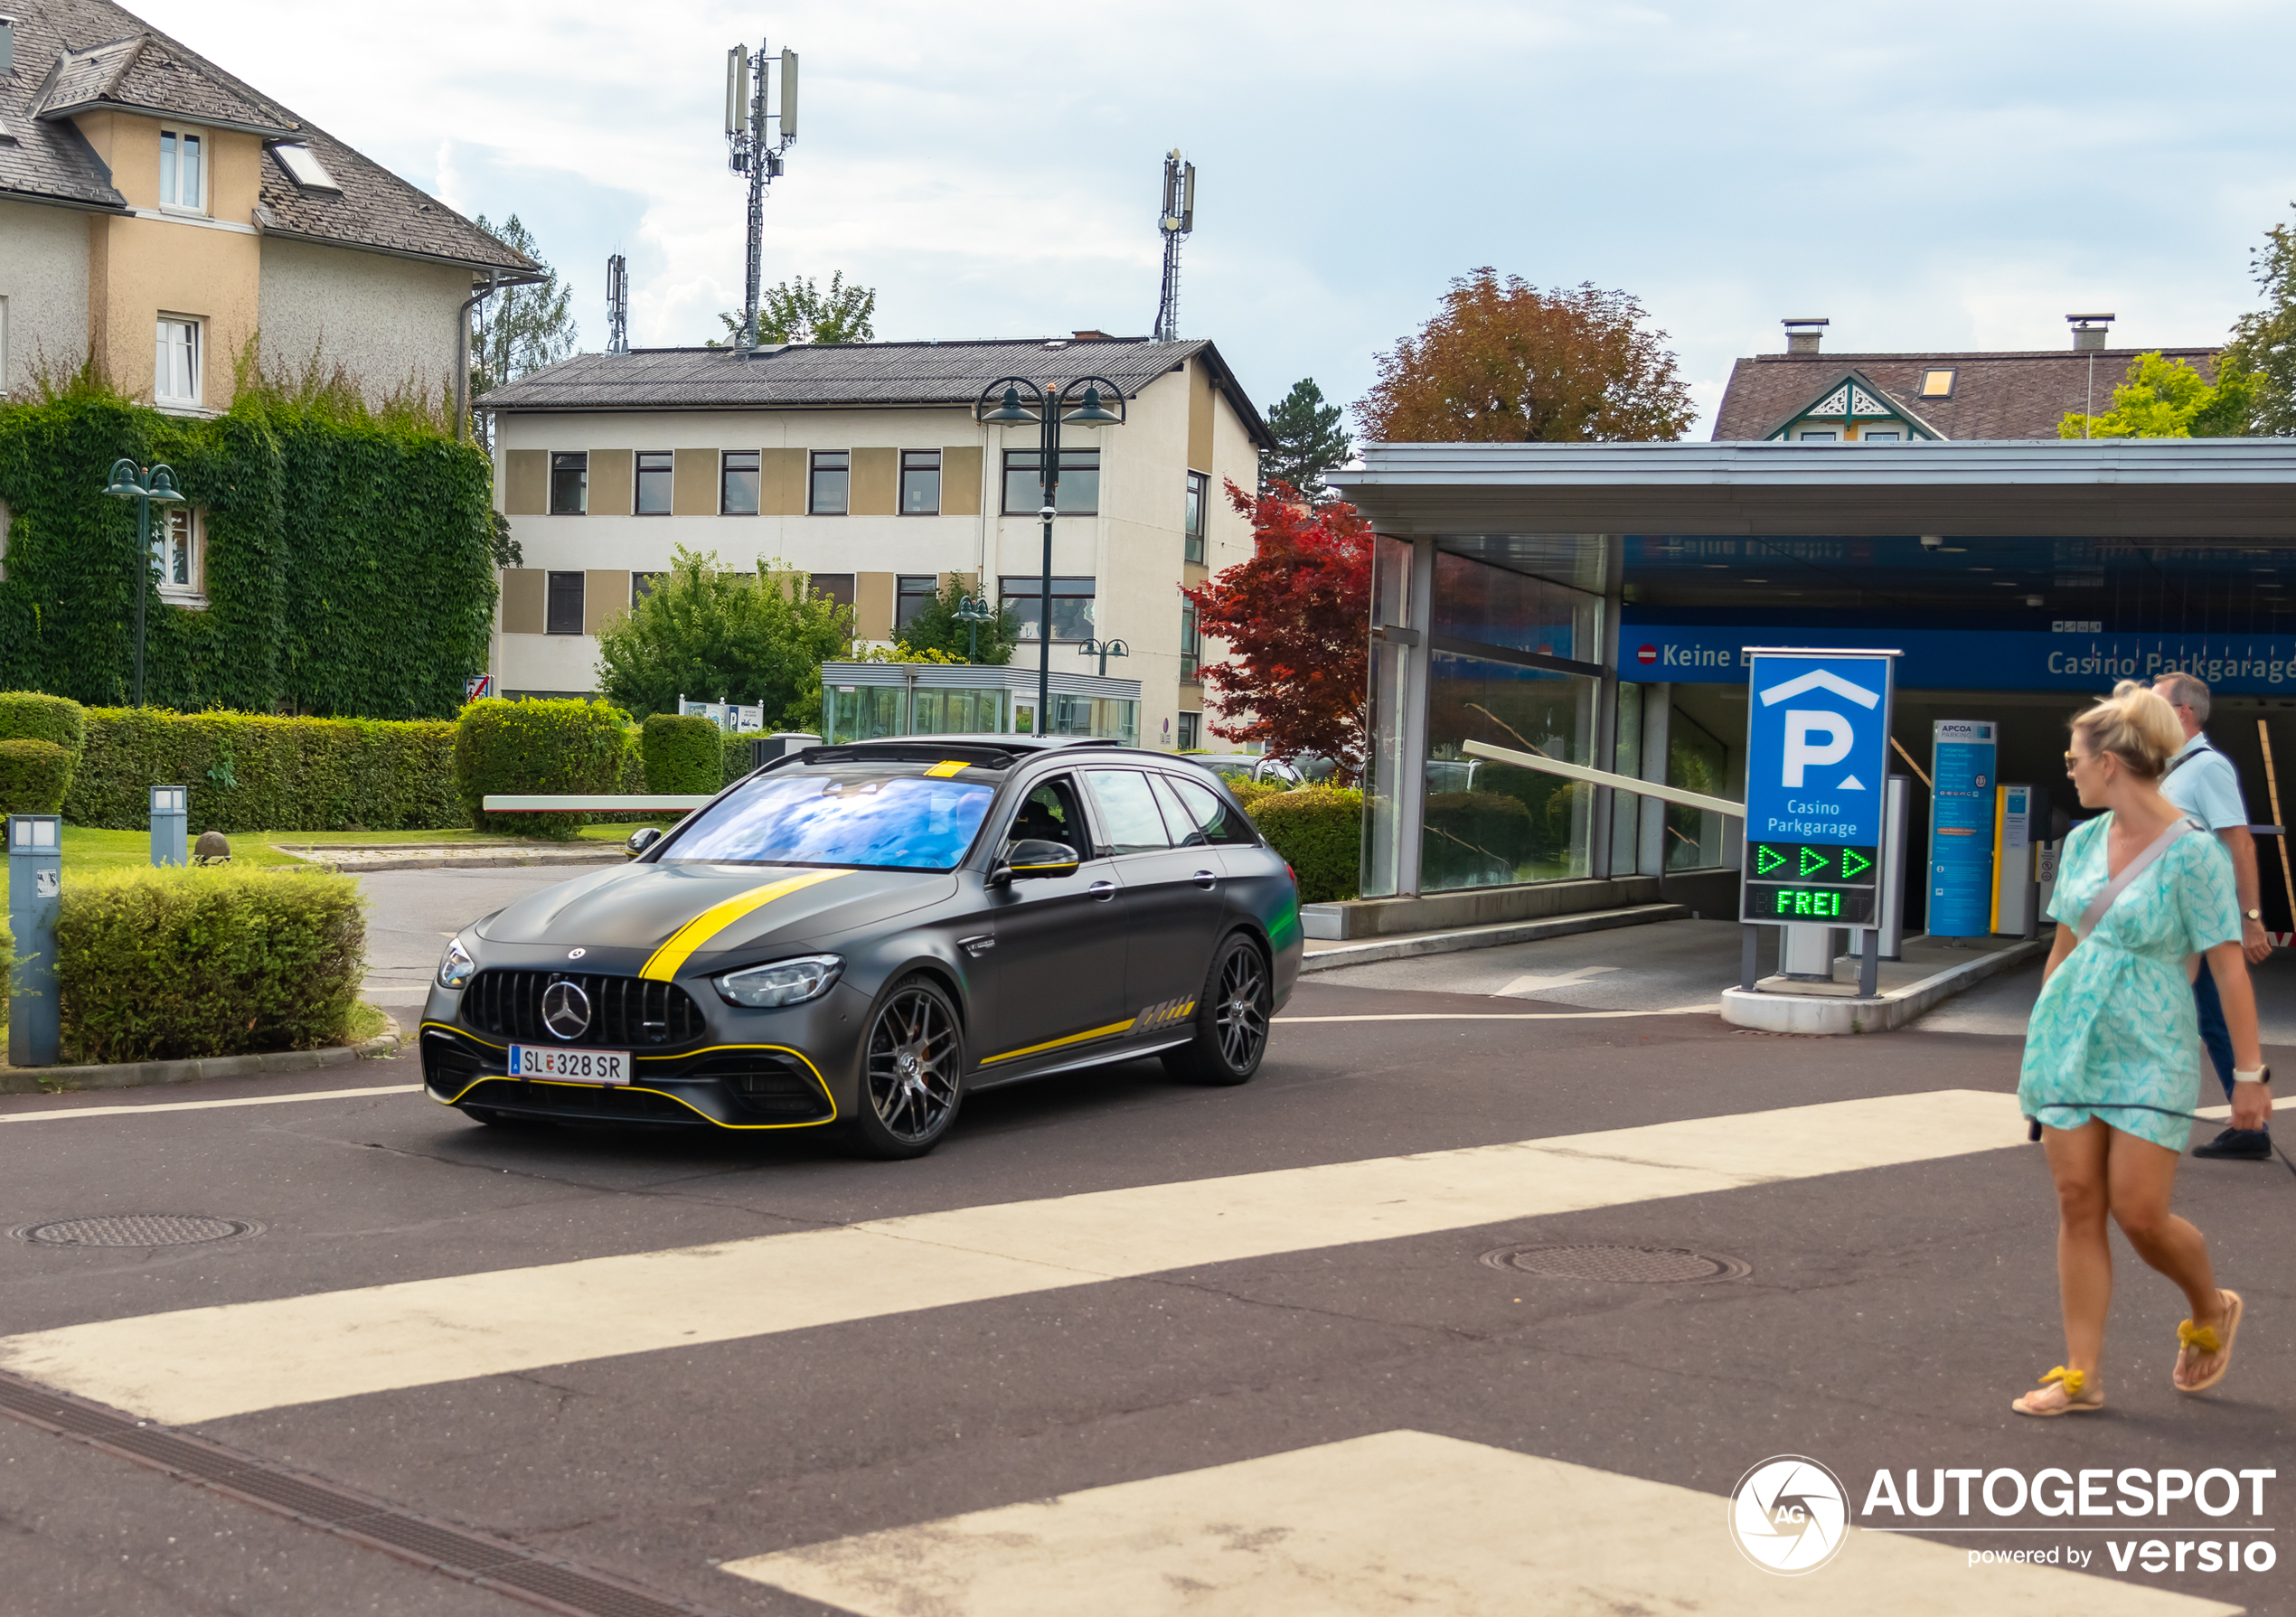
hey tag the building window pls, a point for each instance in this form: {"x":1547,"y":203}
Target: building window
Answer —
{"x":1937,"y":384}
{"x":1191,"y":641}
{"x":179,"y":555}
{"x":183,"y":175}
{"x":920,"y":483}
{"x":915,"y":592}
{"x":1190,"y":731}
{"x":571,"y":483}
{"x":641,"y":586}
{"x":565,"y":615}
{"x":1818,"y":435}
{"x":1197,"y":487}
{"x":831,"y":476}
{"x":1881,"y":435}
{"x":737,"y":482}
{"x":835,"y":587}
{"x":1079,"y":493}
{"x":175,"y":376}
{"x":1072,"y":605}
{"x":656,"y":471}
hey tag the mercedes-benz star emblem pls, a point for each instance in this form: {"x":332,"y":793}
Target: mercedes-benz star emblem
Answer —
{"x":575,"y":954}
{"x":566,"y":1009}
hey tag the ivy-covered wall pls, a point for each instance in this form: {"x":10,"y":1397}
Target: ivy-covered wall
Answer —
{"x":349,"y":565}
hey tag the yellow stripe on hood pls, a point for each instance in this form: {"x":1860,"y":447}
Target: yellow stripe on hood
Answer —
{"x":663,"y":964}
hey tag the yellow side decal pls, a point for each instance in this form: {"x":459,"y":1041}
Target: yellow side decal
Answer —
{"x":1053,"y":1044}
{"x":942,"y":771}
{"x":664,"y":961}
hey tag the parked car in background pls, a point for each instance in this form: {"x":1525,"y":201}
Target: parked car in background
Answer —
{"x":1235,"y":768}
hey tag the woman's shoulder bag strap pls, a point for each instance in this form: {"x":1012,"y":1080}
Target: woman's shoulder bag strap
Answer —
{"x":2135,"y":868}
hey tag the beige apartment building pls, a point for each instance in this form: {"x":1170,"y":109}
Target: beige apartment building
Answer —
{"x":863,"y":466}
{"x":158,"y":214}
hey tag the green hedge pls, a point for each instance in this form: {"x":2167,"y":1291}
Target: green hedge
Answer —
{"x":35,"y":716}
{"x":1318,"y":831}
{"x":733,"y":757}
{"x":33,"y":777}
{"x":540,"y":747}
{"x":252,"y":771}
{"x":684,"y":755}
{"x":1479,"y":838}
{"x":172,"y":964}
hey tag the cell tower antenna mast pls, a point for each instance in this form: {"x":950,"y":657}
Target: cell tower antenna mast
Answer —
{"x":750,"y":152}
{"x":617,"y":305}
{"x":1177,"y":219}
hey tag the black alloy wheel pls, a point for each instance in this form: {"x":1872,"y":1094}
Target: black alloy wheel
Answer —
{"x":912,"y":1072}
{"x":1231,"y":1017}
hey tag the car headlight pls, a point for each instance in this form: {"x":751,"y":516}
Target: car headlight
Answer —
{"x":784,"y":983}
{"x":456,"y":966}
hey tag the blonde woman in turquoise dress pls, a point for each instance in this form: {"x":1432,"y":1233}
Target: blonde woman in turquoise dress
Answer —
{"x":2114,"y":1023}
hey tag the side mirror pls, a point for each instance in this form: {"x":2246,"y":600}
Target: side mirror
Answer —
{"x":1031,"y":860}
{"x":644,"y":838}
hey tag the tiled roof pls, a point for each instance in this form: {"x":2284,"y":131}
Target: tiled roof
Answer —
{"x":1995,"y":396}
{"x":806,"y":376}
{"x":78,"y":55}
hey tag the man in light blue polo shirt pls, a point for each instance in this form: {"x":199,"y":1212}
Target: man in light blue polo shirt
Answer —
{"x":2202,"y":782}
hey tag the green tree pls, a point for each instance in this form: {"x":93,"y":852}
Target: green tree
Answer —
{"x":2263,"y":349}
{"x":717,"y":634}
{"x":2166,"y":399}
{"x":520,"y":329}
{"x":936,"y":628}
{"x":1309,"y":441}
{"x":796,"y":311}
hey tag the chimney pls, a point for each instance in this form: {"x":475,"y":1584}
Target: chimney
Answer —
{"x":2089,"y":331}
{"x":1802,"y":336}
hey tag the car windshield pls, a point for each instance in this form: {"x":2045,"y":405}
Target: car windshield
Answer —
{"x":893,"y":817}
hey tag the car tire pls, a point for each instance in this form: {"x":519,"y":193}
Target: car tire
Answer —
{"x":912,"y":1072}
{"x":1231,"y":1017}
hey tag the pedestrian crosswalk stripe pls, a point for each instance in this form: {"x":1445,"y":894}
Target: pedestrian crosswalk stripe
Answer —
{"x":1402,"y":1521}
{"x":204,"y":1363}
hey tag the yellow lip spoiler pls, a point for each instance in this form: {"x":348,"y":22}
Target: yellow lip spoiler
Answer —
{"x":664,"y":961}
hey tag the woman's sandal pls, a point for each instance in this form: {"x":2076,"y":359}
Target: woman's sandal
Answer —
{"x":2205,"y":1339}
{"x":2066,"y":1397}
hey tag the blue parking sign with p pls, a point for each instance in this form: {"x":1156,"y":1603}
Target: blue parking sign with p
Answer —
{"x":1817,"y":767}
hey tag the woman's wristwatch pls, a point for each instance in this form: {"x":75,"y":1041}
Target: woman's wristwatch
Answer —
{"x":2252,"y":1075}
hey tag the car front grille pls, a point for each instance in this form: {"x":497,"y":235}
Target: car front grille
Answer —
{"x":581,"y":1103}
{"x":626,"y":1012}
{"x":448,"y":1066}
{"x":770,"y":1084}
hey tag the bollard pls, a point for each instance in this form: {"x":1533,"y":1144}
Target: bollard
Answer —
{"x":35,"y":889}
{"x":167,"y":825}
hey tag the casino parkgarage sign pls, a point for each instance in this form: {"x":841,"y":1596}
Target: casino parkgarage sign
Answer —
{"x":1816,"y":762}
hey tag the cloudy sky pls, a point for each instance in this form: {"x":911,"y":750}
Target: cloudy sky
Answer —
{"x":1932,"y":176}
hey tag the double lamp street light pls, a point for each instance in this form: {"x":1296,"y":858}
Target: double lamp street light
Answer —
{"x":1016,"y":402}
{"x":147,"y":487}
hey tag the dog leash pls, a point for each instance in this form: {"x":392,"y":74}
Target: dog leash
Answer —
{"x":2033,"y":1124}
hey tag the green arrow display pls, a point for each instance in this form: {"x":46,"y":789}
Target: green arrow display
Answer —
{"x":1766,"y":859}
{"x":1812,"y":858}
{"x":1853,"y":862}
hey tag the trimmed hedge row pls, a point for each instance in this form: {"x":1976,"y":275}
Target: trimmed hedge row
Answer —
{"x":252,"y":772}
{"x":33,"y":776}
{"x":35,"y":716}
{"x":540,"y":748}
{"x":684,"y":755}
{"x":169,"y":964}
{"x":1319,"y":832}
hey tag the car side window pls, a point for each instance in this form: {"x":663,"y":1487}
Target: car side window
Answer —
{"x":1128,"y":811}
{"x":1213,"y":819}
{"x":1051,"y":813}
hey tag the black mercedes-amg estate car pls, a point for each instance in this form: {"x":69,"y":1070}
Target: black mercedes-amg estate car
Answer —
{"x":861,"y":935}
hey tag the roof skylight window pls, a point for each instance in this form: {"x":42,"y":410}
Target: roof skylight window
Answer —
{"x":1937,"y":384}
{"x":304,"y":167}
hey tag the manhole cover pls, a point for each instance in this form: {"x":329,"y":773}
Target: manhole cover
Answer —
{"x":1645,"y":1264}
{"x":137,"y":1230}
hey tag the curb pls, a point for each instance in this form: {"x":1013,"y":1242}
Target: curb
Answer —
{"x":138,"y":1074}
{"x":1490,"y":936}
{"x":1822,"y":1016}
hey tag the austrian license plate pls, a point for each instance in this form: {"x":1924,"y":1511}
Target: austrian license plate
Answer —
{"x":570,"y":1067}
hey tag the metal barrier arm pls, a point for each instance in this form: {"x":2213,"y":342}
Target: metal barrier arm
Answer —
{"x":1603,"y":778}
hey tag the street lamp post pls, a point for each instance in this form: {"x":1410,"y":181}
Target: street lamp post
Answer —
{"x":146,"y":485}
{"x":1000,"y":404}
{"x":1106,"y":649}
{"x":972,"y":612}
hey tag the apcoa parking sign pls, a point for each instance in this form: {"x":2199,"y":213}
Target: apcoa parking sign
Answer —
{"x":1817,"y":765}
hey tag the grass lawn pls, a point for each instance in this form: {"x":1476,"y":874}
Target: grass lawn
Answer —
{"x":86,"y":850}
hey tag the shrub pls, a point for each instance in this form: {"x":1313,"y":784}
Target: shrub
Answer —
{"x":684,"y":755}
{"x":1479,"y":838}
{"x":1319,"y":832}
{"x":539,"y":747}
{"x":35,"y":716}
{"x":733,"y":757}
{"x":1249,"y":792}
{"x":33,"y":777}
{"x":7,"y":971}
{"x":254,"y":772}
{"x":170,"y":965}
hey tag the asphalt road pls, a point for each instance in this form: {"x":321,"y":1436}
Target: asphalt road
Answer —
{"x":898,"y":1399}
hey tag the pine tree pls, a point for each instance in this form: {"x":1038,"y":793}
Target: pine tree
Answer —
{"x":520,"y":329}
{"x":1309,"y":441}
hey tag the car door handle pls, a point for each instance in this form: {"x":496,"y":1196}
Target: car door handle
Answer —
{"x":1102,"y":890}
{"x":1205,"y":879}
